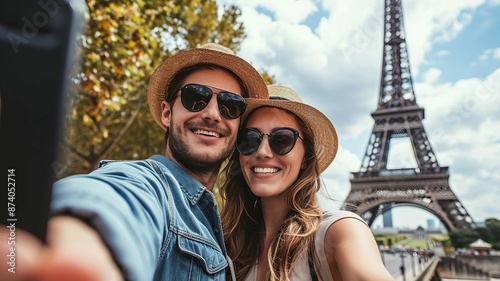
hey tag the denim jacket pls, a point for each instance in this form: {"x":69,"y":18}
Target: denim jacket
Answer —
{"x":158,"y":221}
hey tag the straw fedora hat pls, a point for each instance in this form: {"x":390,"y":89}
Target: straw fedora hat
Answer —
{"x":324,"y":134}
{"x":209,"y":53}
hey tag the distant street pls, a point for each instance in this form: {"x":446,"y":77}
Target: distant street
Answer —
{"x":413,"y":265}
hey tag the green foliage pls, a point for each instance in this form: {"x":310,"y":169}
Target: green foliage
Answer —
{"x":494,"y":230}
{"x":461,"y":238}
{"x":419,"y":244}
{"x":439,"y":237}
{"x":494,"y":226}
{"x":442,"y":239}
{"x":124,"y":41}
{"x":268,"y":78}
{"x":388,"y":240}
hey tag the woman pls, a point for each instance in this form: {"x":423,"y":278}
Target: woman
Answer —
{"x":273,"y":226}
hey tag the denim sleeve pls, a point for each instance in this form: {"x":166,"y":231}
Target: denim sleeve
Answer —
{"x":126,"y":203}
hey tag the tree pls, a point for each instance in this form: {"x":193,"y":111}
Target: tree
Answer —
{"x":484,"y":233}
{"x":124,"y":41}
{"x":494,"y":226}
{"x":461,"y":238}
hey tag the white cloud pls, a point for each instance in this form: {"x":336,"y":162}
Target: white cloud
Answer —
{"x":336,"y":179}
{"x":443,"y":53}
{"x":293,"y":12}
{"x":490,"y":53}
{"x":460,"y":108}
{"x":428,"y":22}
{"x":432,"y":75}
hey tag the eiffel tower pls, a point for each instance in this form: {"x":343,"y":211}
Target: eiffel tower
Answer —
{"x":376,"y":189}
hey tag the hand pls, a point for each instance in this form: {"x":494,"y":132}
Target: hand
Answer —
{"x":74,"y":251}
{"x":20,"y":252}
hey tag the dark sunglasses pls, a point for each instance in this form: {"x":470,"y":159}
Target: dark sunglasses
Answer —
{"x":195,"y":97}
{"x":281,"y":140}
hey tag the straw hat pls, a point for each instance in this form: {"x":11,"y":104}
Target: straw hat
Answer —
{"x":209,"y":53}
{"x":324,"y":134}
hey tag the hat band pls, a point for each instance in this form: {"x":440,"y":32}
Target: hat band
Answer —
{"x":278,"y":98}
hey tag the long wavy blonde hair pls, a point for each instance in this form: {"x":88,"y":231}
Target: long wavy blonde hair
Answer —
{"x":242,"y":220}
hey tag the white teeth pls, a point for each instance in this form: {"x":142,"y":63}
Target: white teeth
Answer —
{"x":203,"y":132}
{"x":258,"y":170}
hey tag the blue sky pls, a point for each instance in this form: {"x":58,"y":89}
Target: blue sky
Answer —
{"x":330,"y":51}
{"x":462,"y":57}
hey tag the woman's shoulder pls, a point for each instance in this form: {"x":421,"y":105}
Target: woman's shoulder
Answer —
{"x":342,"y":226}
{"x":330,"y":217}
{"x":329,"y":222}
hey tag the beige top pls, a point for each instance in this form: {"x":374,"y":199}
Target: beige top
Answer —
{"x":301,"y":270}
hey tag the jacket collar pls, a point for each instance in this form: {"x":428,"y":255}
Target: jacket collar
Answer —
{"x":192,"y":188}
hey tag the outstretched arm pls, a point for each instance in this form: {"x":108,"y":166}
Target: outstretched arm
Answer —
{"x":352,"y":252}
{"x":74,"y":251}
{"x":124,"y":205}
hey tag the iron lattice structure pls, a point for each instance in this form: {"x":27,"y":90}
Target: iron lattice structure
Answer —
{"x":375,"y":188}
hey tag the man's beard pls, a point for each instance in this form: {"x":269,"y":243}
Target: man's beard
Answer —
{"x":192,"y":161}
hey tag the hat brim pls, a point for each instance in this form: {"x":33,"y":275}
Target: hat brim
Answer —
{"x":324,"y":133}
{"x":163,"y":75}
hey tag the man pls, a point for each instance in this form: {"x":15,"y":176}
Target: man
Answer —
{"x":155,"y":219}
